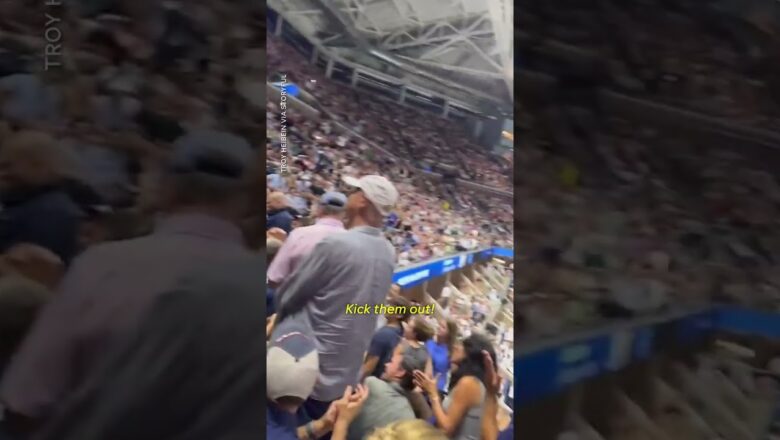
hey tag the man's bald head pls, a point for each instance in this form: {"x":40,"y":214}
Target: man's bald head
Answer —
{"x":32,"y":158}
{"x":277,"y":200}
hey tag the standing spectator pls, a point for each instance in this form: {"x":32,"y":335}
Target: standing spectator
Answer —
{"x":353,"y":267}
{"x":279,"y":212}
{"x":182,"y":359}
{"x":301,"y":241}
{"x":440,"y":349}
{"x":110,"y":286}
{"x":36,"y":206}
{"x":382,"y":345}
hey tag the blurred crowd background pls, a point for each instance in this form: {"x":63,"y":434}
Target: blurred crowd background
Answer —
{"x":715,"y":57}
{"x":132,"y":227}
{"x":623,"y":216}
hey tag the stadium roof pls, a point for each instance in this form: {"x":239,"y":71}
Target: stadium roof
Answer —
{"x":444,"y":45}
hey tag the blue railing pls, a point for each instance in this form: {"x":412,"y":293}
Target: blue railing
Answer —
{"x":419,"y":273}
{"x":549,"y":367}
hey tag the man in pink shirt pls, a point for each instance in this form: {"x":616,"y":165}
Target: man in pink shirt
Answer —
{"x":301,"y":241}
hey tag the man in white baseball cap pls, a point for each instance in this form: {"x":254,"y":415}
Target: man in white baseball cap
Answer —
{"x":377,"y":190}
{"x":351,"y":267}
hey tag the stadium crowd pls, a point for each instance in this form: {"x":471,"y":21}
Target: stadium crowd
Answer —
{"x":131,"y":241}
{"x":432,"y":219}
{"x":709,"y":57}
{"x":620,"y":219}
{"x":405,"y":131}
{"x":411,"y":366}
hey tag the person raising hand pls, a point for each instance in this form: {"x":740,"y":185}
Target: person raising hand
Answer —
{"x":460,"y":415}
{"x":347,"y":408}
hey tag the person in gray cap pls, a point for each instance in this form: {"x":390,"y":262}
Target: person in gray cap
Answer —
{"x":301,"y":241}
{"x":353,"y":267}
{"x":204,"y":193}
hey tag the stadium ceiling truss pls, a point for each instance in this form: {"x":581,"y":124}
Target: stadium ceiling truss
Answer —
{"x":467,"y":43}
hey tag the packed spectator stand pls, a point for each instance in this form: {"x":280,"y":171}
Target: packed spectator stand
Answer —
{"x":434,"y":218}
{"x":132,"y":230}
{"x":682,"y":225}
{"x":716,"y":58}
{"x":359,"y":134}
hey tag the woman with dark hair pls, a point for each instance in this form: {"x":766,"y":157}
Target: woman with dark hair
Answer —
{"x":460,"y":415}
{"x":440,"y":350}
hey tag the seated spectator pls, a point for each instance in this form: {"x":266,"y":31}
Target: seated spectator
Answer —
{"x":407,"y":430}
{"x":278,"y":212}
{"x":461,"y":414}
{"x":390,"y":397}
{"x":385,"y":340}
{"x":37,"y":207}
{"x":440,"y":348}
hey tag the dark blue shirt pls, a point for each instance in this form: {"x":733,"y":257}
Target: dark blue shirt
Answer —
{"x":281,"y":425}
{"x":507,"y":434}
{"x":269,"y":302}
{"x":382,"y":345}
{"x":281,"y":219}
{"x":49,"y":219}
{"x":440,"y":358}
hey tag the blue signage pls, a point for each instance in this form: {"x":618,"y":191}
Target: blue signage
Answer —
{"x":737,"y":320}
{"x":643,"y":344}
{"x":415,"y":275}
{"x":551,"y":370}
{"x":694,"y":329}
{"x":504,"y":253}
{"x":289,"y":88}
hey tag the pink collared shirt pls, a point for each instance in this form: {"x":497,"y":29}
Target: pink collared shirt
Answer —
{"x":298,"y":245}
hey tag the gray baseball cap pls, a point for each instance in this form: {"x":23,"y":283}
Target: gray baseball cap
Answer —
{"x":213,"y":153}
{"x":334,"y":200}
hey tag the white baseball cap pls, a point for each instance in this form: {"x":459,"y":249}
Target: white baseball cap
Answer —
{"x":378,"y":190}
